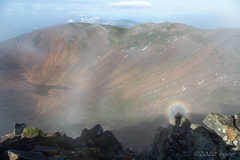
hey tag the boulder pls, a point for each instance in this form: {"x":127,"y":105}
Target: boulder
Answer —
{"x":160,"y":143}
{"x":135,"y":150}
{"x":96,"y":130}
{"x":237,"y":120}
{"x":59,"y":133}
{"x":148,"y":150}
{"x":45,"y":149}
{"x":70,"y":144}
{"x":62,"y":157}
{"x":16,"y":154}
{"x":107,"y":141}
{"x":18,"y":128}
{"x":85,"y":132}
{"x":95,"y":137}
{"x":170,"y":143}
{"x":199,"y":139}
{"x":218,"y":122}
{"x":183,"y":140}
{"x":224,"y":127}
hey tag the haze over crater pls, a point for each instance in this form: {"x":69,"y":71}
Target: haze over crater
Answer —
{"x":75,"y":75}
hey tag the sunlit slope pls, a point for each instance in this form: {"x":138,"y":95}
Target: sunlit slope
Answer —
{"x":81,"y":73}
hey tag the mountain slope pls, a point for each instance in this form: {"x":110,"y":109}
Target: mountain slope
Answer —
{"x":79,"y":73}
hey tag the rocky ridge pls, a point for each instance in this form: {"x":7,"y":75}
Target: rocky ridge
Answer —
{"x":181,"y":140}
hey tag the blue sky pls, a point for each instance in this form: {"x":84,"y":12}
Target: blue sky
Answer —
{"x":22,"y":14}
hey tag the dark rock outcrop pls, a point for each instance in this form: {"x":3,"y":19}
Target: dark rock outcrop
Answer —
{"x":17,"y":142}
{"x":237,"y":120}
{"x":59,"y":133}
{"x":18,"y":128}
{"x":95,"y":137}
{"x":161,"y":143}
{"x":199,"y":139}
{"x":45,"y":149}
{"x":85,"y":132}
{"x":96,"y":130}
{"x":181,"y":140}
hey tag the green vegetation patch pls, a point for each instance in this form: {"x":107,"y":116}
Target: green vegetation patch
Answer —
{"x":36,"y":40}
{"x":33,"y":132}
{"x":94,"y":152}
{"x":150,"y":98}
{"x":89,"y":153}
{"x":169,"y":27}
{"x":138,"y":81}
{"x":84,"y":44}
{"x":123,"y":40}
{"x":79,"y":26}
{"x":116,"y":34}
{"x":51,"y":141}
{"x":144,"y":38}
{"x":159,"y":50}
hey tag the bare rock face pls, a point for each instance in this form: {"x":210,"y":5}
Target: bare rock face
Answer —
{"x":96,"y":130}
{"x":237,"y":120}
{"x":183,"y":140}
{"x":15,"y":154}
{"x":171,"y":142}
{"x":218,"y":123}
{"x":85,"y":132}
{"x":200,"y":140}
{"x":160,"y":143}
{"x":18,"y":128}
{"x":224,"y":127}
{"x":45,"y":149}
{"x":95,"y":137}
{"x":60,"y":133}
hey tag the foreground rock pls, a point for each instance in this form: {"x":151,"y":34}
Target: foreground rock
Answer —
{"x":18,"y":128}
{"x":92,"y":144}
{"x":171,"y":142}
{"x":15,"y":154}
{"x":105,"y":141}
{"x":181,"y":140}
{"x":200,"y":140}
{"x":224,"y":127}
{"x":237,"y":120}
{"x":45,"y":149}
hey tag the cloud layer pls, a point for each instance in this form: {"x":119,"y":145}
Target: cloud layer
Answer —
{"x":70,"y":21}
{"x":131,"y":4}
